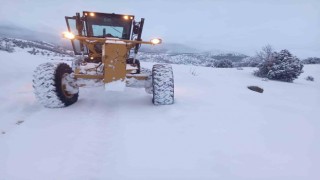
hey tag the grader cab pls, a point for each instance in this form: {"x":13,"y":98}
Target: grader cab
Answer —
{"x":106,"y":46}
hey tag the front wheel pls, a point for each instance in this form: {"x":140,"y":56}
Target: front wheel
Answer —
{"x":163,"y":84}
{"x":51,"y":85}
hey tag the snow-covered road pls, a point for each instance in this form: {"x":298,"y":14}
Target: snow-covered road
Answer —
{"x":217,"y":128}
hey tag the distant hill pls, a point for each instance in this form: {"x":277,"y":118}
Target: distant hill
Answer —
{"x":178,"y":54}
{"x":41,"y":48}
{"x":169,"y":48}
{"x":182,"y":54}
{"x":27,"y":34}
{"x":234,"y":57}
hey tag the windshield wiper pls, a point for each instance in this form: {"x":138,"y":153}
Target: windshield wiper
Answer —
{"x":115,"y":29}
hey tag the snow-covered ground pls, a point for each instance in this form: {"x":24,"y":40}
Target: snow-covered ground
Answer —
{"x":217,"y":128}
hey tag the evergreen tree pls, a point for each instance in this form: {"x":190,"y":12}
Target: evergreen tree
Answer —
{"x":281,"y":66}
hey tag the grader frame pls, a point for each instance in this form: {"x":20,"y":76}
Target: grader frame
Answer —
{"x":104,"y":42}
{"x":114,"y":51}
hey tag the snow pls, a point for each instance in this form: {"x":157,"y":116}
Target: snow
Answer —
{"x":130,"y":67}
{"x":217,"y":128}
{"x":114,"y":41}
{"x":118,"y":85}
{"x":91,"y":68}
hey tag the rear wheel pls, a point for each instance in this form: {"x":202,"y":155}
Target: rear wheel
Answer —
{"x":163,"y":84}
{"x":52,"y":85}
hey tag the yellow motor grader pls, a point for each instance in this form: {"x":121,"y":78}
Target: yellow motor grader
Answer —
{"x":106,"y":46}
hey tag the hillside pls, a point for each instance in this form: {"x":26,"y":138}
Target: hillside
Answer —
{"x":172,"y":53}
{"x":18,"y":32}
{"x":217,"y":128}
{"x":182,"y":54}
{"x":38,"y":48}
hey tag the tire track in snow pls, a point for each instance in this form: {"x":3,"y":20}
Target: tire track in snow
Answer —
{"x":75,"y":142}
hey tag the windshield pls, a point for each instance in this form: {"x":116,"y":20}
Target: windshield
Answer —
{"x":108,"y":25}
{"x":107,"y":31}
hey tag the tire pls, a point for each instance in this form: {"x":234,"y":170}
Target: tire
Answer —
{"x":163,"y":84}
{"x":48,"y":88}
{"x":136,"y":63}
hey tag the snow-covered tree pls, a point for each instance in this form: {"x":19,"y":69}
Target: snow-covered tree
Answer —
{"x":224,"y":63}
{"x":281,"y":66}
{"x":1,"y":46}
{"x":33,"y":51}
{"x":249,"y":62}
{"x":6,"y":45}
{"x":265,"y":54}
{"x":311,"y":60}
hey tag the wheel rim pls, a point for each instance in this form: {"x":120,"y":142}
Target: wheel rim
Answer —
{"x":64,"y":82}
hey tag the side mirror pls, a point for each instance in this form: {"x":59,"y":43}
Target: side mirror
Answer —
{"x":136,"y":29}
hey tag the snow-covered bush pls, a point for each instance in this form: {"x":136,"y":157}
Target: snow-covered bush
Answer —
{"x":6,"y":45}
{"x":310,"y":78}
{"x":281,"y":66}
{"x":311,"y":60}
{"x":224,"y":63}
{"x":33,"y":51}
{"x":249,"y":62}
{"x":264,"y":54}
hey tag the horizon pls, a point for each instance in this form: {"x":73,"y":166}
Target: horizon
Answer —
{"x":243,"y":27}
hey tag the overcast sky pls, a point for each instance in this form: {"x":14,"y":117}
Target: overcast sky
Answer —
{"x":236,"y":25}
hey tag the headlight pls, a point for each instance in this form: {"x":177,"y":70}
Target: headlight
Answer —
{"x":68,"y":35}
{"x":92,"y":14}
{"x":156,"y":41}
{"x":126,"y":17}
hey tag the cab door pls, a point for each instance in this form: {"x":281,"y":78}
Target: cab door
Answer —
{"x":77,"y":46}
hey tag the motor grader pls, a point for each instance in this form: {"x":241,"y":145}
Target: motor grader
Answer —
{"x":106,"y":47}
